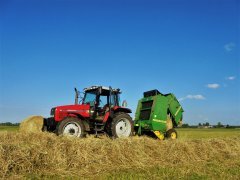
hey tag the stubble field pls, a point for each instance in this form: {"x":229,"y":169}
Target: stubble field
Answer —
{"x":197,"y":154}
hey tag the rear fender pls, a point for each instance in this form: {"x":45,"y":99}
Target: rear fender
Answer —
{"x":121,"y":109}
{"x":116,"y":109}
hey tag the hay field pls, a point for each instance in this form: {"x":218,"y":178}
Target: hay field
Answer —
{"x":9,"y":128}
{"x":197,"y":133}
{"x":46,"y":156}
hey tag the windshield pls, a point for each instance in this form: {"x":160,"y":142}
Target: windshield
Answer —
{"x":90,"y":97}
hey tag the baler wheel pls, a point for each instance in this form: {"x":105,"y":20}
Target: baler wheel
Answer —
{"x":171,"y":134}
{"x":70,"y":126}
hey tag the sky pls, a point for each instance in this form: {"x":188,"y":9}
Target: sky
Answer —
{"x":186,"y":47}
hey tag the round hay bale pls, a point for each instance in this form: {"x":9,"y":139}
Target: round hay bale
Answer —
{"x":32,"y":124}
{"x":169,"y":124}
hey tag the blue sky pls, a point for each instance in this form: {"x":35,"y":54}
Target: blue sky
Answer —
{"x":189,"y":48}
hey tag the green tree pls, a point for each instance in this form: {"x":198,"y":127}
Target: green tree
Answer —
{"x":219,"y":124}
{"x":185,"y":125}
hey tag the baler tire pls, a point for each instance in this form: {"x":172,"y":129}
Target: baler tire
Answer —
{"x":171,"y":134}
{"x":71,"y":124}
{"x":125,"y":118}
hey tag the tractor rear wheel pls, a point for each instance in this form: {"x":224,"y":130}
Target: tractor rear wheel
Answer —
{"x":121,"y":126}
{"x":171,"y":134}
{"x":71,"y":127}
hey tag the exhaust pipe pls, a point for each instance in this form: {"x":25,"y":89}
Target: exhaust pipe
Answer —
{"x":76,"y":95}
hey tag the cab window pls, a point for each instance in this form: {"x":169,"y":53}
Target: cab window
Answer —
{"x":103,"y":101}
{"x":90,"y":98}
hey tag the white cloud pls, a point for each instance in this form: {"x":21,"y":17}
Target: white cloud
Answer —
{"x":231,"y":78}
{"x":213,"y":86}
{"x":229,"y":46}
{"x":195,"y":97}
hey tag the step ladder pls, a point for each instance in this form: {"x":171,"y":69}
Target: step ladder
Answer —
{"x":98,"y":127}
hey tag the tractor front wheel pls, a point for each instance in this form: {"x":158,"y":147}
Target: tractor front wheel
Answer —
{"x":171,"y":134}
{"x":122,"y":125}
{"x":71,"y":127}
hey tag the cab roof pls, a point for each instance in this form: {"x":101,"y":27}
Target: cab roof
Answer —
{"x":103,"y":88}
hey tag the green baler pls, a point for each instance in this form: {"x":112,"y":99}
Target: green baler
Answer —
{"x":158,"y":113}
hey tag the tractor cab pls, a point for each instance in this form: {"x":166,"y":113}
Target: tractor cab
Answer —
{"x":101,"y":100}
{"x":99,"y":95}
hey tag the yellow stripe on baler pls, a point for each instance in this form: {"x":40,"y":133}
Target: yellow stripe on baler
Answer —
{"x":161,"y":121}
{"x":178,"y":110}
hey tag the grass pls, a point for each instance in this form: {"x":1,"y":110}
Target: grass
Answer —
{"x":9,"y":128}
{"x":197,"y":133}
{"x":196,"y":171}
{"x":197,"y":154}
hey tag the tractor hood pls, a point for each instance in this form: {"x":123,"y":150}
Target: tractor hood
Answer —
{"x":60,"y":112}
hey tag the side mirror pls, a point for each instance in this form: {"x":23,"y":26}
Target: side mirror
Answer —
{"x":124,"y":103}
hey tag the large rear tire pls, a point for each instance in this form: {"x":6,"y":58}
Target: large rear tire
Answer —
{"x":122,"y":125}
{"x":73,"y":127}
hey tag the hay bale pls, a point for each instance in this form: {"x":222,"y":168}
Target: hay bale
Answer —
{"x":32,"y":124}
{"x":169,"y":124}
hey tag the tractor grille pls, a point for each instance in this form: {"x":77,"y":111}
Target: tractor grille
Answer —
{"x":147,"y":105}
{"x":145,"y":114}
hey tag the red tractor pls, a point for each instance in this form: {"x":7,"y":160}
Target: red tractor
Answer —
{"x":99,"y":111}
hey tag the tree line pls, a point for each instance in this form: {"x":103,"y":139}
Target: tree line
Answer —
{"x":207,"y":124}
{"x":9,"y":124}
